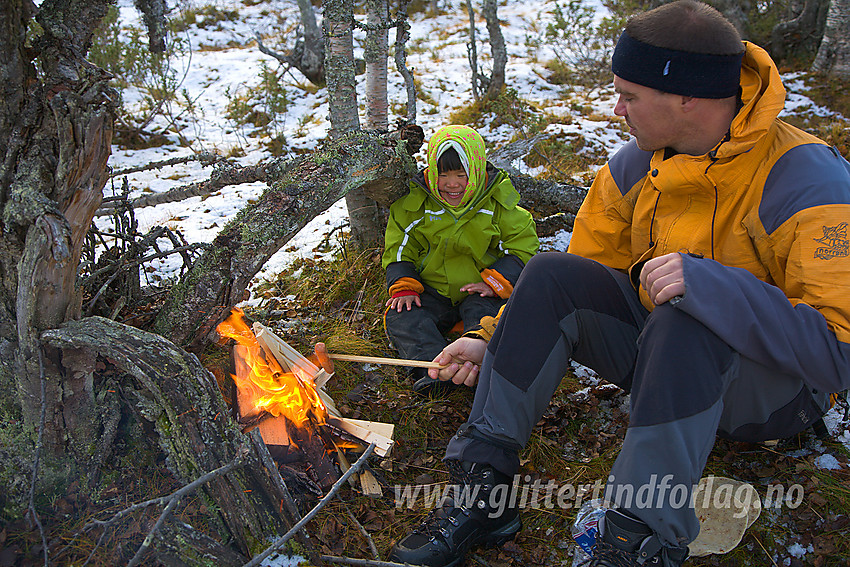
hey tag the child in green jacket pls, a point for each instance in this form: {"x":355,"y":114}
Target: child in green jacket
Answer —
{"x":455,"y":246}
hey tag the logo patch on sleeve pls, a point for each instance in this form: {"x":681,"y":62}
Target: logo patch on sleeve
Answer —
{"x":835,"y":243}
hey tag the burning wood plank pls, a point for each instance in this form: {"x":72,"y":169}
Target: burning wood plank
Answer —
{"x":288,"y":357}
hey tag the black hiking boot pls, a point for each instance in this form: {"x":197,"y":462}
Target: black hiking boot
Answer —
{"x":467,"y":519}
{"x":625,"y":541}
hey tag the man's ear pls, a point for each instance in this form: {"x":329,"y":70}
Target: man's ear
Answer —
{"x":688,"y":103}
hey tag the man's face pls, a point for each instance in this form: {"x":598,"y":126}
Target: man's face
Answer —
{"x":452,"y":185}
{"x":652,"y":116}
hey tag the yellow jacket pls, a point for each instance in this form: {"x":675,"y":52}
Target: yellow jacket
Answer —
{"x":770,"y":201}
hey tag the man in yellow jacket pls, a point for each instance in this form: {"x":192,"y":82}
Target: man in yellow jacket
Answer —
{"x":708,"y":274}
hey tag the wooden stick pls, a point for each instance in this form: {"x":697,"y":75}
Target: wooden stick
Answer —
{"x":382,"y":360}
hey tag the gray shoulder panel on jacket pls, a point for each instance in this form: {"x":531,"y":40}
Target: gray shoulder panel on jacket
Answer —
{"x":805,"y":176}
{"x":629,"y":165}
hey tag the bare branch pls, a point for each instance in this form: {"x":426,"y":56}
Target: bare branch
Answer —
{"x":365,"y":534}
{"x":206,"y":158}
{"x":282,"y":59}
{"x":222,"y":176}
{"x":258,"y":559}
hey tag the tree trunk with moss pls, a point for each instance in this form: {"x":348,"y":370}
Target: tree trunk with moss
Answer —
{"x":497,"y":49}
{"x":298,"y":191}
{"x":250,"y":504}
{"x":56,"y":116}
{"x":364,"y":220}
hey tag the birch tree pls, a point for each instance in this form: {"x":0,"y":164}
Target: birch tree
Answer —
{"x":833,"y":56}
{"x":497,"y":49}
{"x":342,"y":109}
{"x":377,"y":46}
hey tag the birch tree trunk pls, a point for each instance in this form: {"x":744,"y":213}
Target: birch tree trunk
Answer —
{"x":309,"y":53}
{"x":377,"y":46}
{"x":497,"y":49}
{"x":472,"y":53}
{"x":342,"y":102}
{"x":833,"y":56}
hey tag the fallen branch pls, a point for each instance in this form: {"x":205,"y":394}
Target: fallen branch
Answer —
{"x":140,"y":553}
{"x":170,"y":387}
{"x":365,"y":534}
{"x":187,"y":489}
{"x":206,"y":158}
{"x":171,"y":500}
{"x":220,"y":177}
{"x":258,"y":559}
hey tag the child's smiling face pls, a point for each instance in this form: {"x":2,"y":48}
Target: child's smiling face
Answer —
{"x":452,"y":185}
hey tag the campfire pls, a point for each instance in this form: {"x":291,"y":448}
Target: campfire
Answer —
{"x":280,"y":392}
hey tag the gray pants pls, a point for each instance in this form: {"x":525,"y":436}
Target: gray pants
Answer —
{"x":686,"y":385}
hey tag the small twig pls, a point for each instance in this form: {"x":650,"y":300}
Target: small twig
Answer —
{"x":365,"y":534}
{"x":312,"y":513}
{"x":363,"y":562}
{"x":206,"y":158}
{"x":765,"y":551}
{"x":38,"y":456}
{"x":358,"y":304}
{"x":137,"y":558}
{"x":480,"y":560}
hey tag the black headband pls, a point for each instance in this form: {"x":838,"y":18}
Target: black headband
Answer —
{"x":699,"y":75}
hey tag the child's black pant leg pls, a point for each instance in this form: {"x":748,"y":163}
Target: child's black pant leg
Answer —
{"x":474,"y":307}
{"x":418,"y":334}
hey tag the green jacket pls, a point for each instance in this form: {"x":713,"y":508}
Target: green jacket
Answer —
{"x":447,"y":249}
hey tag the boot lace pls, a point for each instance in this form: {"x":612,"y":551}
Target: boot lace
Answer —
{"x":472,"y":485}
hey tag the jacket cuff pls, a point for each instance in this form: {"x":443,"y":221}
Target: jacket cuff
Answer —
{"x":403,"y":293}
{"x":406,"y":284}
{"x":485,"y":329}
{"x":497,"y":282}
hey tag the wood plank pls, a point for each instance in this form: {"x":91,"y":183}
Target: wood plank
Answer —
{"x":384,"y":429}
{"x":370,"y":485}
{"x":383,"y":445}
{"x":289,"y":358}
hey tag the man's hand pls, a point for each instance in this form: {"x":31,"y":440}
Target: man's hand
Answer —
{"x":464,"y":358}
{"x":404,"y":302}
{"x":663,"y":278}
{"x":480,"y":288}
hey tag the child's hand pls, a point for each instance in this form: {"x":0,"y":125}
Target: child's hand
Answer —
{"x":404,"y":302}
{"x":480,"y":288}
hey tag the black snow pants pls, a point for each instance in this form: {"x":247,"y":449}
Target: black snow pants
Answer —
{"x":419,"y":334}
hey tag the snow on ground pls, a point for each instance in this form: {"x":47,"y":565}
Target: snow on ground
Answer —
{"x":229,"y":62}
{"x":437,"y":57}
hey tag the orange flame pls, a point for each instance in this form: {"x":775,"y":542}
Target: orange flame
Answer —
{"x":273,"y":389}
